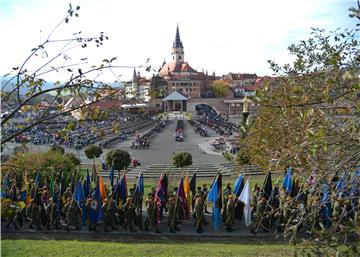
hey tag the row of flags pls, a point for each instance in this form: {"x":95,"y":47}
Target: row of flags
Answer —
{"x":186,"y":188}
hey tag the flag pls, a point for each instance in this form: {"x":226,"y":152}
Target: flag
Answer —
{"x":214,"y":198}
{"x":219,"y":182}
{"x":287,"y":180}
{"x":72,"y":184}
{"x":187,"y":191}
{"x":341,"y":183}
{"x":183,"y":200}
{"x":326,"y":207}
{"x":116,"y":192}
{"x":87,"y":185}
{"x":239,"y":185}
{"x":160,"y":195}
{"x":273,"y":197}
{"x":192,"y":184}
{"x":37,"y":179}
{"x":140,"y":185}
{"x":52,"y":186}
{"x":123,"y":189}
{"x":79,"y":195}
{"x":102,"y":189}
{"x":96,"y":211}
{"x":267,"y":186}
{"x":245,"y":198}
{"x":112,"y":176}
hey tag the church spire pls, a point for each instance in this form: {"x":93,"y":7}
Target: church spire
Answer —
{"x":178,"y":49}
{"x":177,"y":42}
{"x":135,"y":77}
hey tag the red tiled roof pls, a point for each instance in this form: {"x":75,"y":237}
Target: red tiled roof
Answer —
{"x":108,"y":104}
{"x":172,"y":67}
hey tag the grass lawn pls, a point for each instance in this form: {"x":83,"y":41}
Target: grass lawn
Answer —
{"x":88,"y":248}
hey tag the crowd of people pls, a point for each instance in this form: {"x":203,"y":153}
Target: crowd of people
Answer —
{"x":303,"y":206}
{"x":216,"y":121}
{"x":77,"y":134}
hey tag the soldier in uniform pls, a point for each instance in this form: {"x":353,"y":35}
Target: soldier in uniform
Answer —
{"x":14,"y":212}
{"x":129,"y":213}
{"x":205,"y":191}
{"x":255,"y":199}
{"x":108,"y":216}
{"x":33,"y":211}
{"x":226,"y":193}
{"x":54,"y":214}
{"x":260,"y":211}
{"x":172,"y":206}
{"x":199,"y":210}
{"x":152,"y":214}
{"x":72,"y":215}
{"x":91,"y":205}
{"x":230,"y":213}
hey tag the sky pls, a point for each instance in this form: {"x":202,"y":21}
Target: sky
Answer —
{"x":218,"y":36}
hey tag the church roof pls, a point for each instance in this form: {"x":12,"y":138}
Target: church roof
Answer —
{"x":172,"y":67}
{"x":175,"y":96}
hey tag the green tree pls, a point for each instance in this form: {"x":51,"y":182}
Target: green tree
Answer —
{"x":308,"y":119}
{"x":92,"y":152}
{"x":182,"y":159}
{"x":72,"y":157}
{"x":220,"y":88}
{"x":51,"y":163}
{"x":118,"y":159}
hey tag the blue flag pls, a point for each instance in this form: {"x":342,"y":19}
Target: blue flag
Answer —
{"x":326,"y":208}
{"x":237,"y":186}
{"x":341,"y":183}
{"x":112,"y":176}
{"x":79,"y":195}
{"x":96,"y":210}
{"x":140,"y":185}
{"x":214,"y":198}
{"x":287,"y":183}
{"x":87,"y":185}
{"x":37,"y":179}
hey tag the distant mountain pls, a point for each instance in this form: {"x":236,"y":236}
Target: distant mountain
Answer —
{"x":49,"y":84}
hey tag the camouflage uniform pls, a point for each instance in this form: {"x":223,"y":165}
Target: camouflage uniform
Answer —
{"x":108,"y":216}
{"x":73,"y":216}
{"x":199,"y":209}
{"x":172,"y":219}
{"x":230,"y":213}
{"x":260,"y":211}
{"x":129,"y":213}
{"x":33,"y":211}
{"x":152,"y":214}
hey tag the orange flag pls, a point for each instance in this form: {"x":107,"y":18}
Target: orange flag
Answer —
{"x":102,"y":189}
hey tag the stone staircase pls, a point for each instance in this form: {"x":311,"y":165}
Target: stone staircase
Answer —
{"x":154,"y":170}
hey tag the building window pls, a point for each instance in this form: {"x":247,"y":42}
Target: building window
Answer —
{"x":179,"y":57}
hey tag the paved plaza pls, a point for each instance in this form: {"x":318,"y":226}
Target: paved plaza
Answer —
{"x":162,"y":147}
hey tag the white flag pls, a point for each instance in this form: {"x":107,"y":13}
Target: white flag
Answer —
{"x":245,"y":198}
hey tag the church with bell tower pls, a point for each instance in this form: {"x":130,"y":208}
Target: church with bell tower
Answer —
{"x":178,"y":73}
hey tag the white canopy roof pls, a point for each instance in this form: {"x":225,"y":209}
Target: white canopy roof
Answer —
{"x":175,"y":96}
